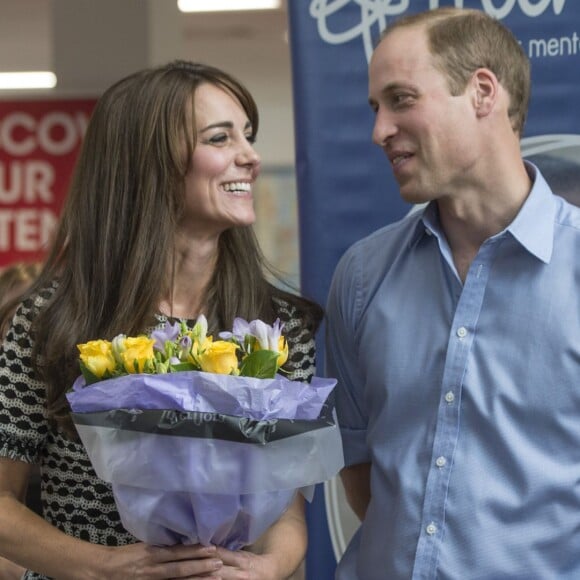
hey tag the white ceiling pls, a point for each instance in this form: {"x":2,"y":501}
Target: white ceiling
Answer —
{"x":240,"y":38}
{"x":76,"y":39}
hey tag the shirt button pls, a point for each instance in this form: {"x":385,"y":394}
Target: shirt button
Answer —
{"x":431,"y":529}
{"x":441,"y":461}
{"x":462,"y":332}
{"x":449,"y":397}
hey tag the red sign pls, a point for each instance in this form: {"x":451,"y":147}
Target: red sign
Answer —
{"x":39,"y":143}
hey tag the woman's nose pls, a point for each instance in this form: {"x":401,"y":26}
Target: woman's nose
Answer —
{"x":247,"y":155}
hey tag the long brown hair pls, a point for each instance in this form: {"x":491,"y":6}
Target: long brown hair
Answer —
{"x":115,"y":239}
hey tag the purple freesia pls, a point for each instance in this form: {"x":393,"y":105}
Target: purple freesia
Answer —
{"x":268,"y":336}
{"x":166,"y":334}
{"x":185,"y":344}
{"x":240,"y":328}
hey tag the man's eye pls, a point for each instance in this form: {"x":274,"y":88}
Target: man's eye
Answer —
{"x":401,"y":100}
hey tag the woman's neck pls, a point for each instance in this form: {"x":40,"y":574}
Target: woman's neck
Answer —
{"x":190,"y":273}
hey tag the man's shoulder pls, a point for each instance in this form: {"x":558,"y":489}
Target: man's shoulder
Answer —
{"x":367,"y":261}
{"x":395,"y":235}
{"x":567,"y":214}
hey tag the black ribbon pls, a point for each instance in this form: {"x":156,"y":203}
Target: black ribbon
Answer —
{"x":204,"y":425}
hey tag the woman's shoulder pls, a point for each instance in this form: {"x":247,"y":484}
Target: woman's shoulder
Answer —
{"x":290,"y":307}
{"x":38,"y":298}
{"x":21,"y":314}
{"x":301,"y":318}
{"x":285,"y":309}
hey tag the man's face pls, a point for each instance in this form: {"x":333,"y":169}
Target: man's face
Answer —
{"x":428,"y":135}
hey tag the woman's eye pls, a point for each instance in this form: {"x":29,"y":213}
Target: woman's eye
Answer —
{"x":220,"y":138}
{"x":251,"y":138}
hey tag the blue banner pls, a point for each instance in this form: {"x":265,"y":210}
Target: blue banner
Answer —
{"x":345,"y":186}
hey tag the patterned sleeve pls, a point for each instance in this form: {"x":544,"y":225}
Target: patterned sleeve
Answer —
{"x":23,"y":421}
{"x":301,"y":344}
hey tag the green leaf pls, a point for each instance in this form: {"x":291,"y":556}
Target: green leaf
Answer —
{"x":149,"y":367}
{"x":261,"y":364}
{"x":90,"y":377}
{"x":160,"y":367}
{"x":184,"y":366}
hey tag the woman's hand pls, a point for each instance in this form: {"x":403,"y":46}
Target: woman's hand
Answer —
{"x":145,"y":562}
{"x":276,"y":555}
{"x":10,"y":571}
{"x":31,"y":541}
{"x":245,"y":565}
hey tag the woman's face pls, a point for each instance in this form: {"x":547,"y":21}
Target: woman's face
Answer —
{"x":219,"y":183}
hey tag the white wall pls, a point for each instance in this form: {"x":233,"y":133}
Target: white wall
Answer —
{"x":92,"y":43}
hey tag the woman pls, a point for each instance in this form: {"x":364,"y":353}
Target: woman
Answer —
{"x":156,"y":226}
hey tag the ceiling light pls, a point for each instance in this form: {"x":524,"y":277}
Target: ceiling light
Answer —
{"x":226,"y":5}
{"x":27,"y":80}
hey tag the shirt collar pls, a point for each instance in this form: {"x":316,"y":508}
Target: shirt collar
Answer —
{"x":425,"y":225}
{"x":533,"y":227}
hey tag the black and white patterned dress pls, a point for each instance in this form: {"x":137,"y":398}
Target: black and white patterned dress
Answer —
{"x":74,"y":499}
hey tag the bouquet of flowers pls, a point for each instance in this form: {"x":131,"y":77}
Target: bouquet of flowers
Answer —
{"x":203,"y":440}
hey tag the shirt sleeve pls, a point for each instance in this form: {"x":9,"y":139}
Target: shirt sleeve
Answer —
{"x":345,"y":303}
{"x":23,"y":421}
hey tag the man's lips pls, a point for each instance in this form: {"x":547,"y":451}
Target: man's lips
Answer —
{"x":398,"y":157}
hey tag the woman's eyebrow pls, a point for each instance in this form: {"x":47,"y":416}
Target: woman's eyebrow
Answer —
{"x":224,"y":125}
{"x":219,"y":125}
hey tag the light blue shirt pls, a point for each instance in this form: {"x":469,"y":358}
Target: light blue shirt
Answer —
{"x":465,"y":397}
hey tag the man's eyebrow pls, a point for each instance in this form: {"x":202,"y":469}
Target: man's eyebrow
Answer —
{"x":394,"y":86}
{"x":391,"y":88}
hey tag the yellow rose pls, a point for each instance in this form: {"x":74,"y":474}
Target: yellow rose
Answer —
{"x":219,"y":357}
{"x":138,"y":352}
{"x":97,"y":356}
{"x":283,"y":351}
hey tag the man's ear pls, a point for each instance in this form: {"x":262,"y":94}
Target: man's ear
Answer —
{"x":485,"y":88}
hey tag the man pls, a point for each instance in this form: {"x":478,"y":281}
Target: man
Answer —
{"x":455,"y":333}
